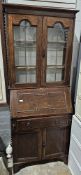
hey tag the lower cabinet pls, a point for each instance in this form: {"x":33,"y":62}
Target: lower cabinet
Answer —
{"x":40,"y":140}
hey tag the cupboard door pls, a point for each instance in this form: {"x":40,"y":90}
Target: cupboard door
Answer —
{"x":56,"y":49}
{"x":56,"y":143}
{"x":25,"y":54}
{"x":27,"y":146}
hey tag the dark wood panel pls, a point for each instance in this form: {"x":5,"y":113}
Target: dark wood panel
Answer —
{"x":27,"y":146}
{"x":16,"y":19}
{"x":55,"y":138}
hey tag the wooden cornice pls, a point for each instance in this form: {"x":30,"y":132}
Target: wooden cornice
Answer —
{"x":31,"y":9}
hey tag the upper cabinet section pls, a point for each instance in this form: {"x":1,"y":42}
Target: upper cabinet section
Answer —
{"x":39,"y":46}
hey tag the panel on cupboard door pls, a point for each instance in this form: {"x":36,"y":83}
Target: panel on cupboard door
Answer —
{"x":26,"y":51}
{"x":27,"y":146}
{"x":57,"y":142}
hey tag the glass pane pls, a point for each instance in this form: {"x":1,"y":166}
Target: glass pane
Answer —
{"x":59,"y":75}
{"x":54,"y":75}
{"x":25,"y":76}
{"x":50,"y":75}
{"x":21,"y":77}
{"x":55,"y":52}
{"x":25,"y":47}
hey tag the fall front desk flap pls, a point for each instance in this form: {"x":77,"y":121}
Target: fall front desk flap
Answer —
{"x":40,"y":102}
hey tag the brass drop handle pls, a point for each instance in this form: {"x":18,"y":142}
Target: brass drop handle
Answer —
{"x":21,"y":101}
{"x":44,"y":144}
{"x":14,"y":125}
{"x":28,"y":123}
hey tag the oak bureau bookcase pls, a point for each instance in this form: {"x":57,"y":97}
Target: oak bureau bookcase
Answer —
{"x":39,"y":51}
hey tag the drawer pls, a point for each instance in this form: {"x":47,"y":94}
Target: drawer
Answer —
{"x":26,"y":124}
{"x":44,"y":122}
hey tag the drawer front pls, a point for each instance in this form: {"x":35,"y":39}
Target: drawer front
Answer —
{"x":26,"y":124}
{"x":23,"y":125}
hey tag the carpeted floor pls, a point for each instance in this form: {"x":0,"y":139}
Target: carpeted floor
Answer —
{"x":54,"y":168}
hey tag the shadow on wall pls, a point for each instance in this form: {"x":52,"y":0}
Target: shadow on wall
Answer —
{"x":75,"y":69}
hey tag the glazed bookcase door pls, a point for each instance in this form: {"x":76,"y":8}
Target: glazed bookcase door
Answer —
{"x":57,"y":44}
{"x":24,"y":50}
